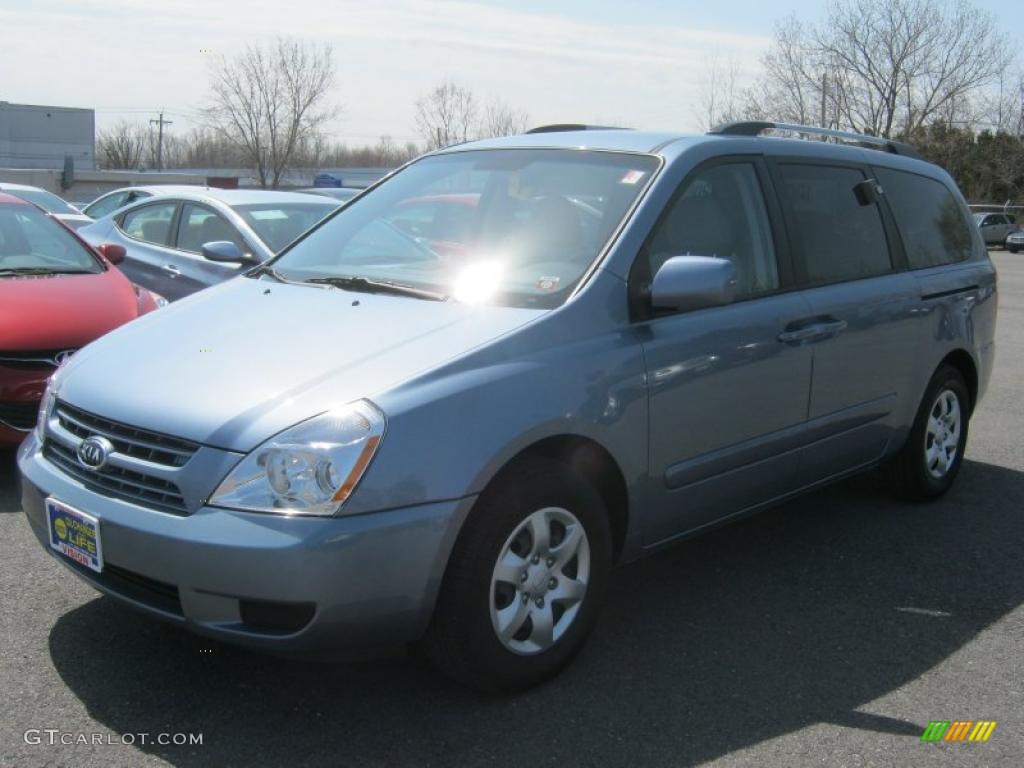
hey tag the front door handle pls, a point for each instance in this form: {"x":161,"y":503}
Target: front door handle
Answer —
{"x":824,"y":328}
{"x":171,"y":270}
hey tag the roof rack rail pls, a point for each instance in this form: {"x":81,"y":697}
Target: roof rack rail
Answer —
{"x":757,"y":127}
{"x":562,"y":127}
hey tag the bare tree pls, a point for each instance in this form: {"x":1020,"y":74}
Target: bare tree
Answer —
{"x":719,"y":94}
{"x":882,"y":66}
{"x":500,"y":119}
{"x":446,"y":115}
{"x":122,"y":146}
{"x":269,"y":100}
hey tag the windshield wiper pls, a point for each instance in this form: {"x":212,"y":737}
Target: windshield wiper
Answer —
{"x":266,"y":269}
{"x":369,"y":285}
{"x":43,"y":271}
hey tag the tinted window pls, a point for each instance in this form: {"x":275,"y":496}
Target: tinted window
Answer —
{"x":151,"y":223}
{"x":29,"y":239}
{"x":719,"y":212}
{"x":837,"y":229}
{"x":931,"y":221}
{"x":107,"y":204}
{"x":199,"y":225}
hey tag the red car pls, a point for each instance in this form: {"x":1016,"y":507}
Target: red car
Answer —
{"x":56,"y":295}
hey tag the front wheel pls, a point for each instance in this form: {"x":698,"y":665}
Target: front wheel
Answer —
{"x":525,"y":582}
{"x":928,"y":463}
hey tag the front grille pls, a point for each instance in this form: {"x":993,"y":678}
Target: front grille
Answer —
{"x":20,"y":415}
{"x":148,"y":491}
{"x":128,"y":441}
{"x":137,"y":487}
{"x":33,"y":359}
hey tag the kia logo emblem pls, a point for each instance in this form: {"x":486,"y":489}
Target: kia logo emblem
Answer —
{"x":93,"y":452}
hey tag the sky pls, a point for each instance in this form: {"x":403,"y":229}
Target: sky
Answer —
{"x":639,"y":63}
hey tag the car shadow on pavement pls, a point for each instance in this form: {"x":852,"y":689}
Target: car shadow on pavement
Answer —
{"x":9,"y":489}
{"x":796,"y":616}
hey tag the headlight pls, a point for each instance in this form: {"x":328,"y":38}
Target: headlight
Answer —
{"x":45,"y":408}
{"x":309,"y":469}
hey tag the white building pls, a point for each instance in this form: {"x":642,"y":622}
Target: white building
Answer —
{"x":41,"y":137}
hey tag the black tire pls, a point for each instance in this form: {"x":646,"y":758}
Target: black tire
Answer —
{"x":1012,"y":249}
{"x":462,"y":641}
{"x":908,"y":471}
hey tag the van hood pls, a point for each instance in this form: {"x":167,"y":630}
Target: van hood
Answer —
{"x":233,"y":365}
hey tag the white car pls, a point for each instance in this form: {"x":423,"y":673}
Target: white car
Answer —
{"x":49,"y":202}
{"x":119,"y":198}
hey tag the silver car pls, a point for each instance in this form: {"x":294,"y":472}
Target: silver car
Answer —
{"x":383,"y":436}
{"x":995,"y":227}
{"x":180,"y":242}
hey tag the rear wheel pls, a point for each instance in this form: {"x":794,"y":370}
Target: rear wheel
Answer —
{"x":929,"y":462}
{"x":525,"y":581}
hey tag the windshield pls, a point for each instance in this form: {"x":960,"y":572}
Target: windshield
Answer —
{"x":32,"y":242}
{"x":45,"y":200}
{"x":277,"y":224}
{"x":517,"y":227}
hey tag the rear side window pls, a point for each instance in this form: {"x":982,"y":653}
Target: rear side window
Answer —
{"x":837,"y":229}
{"x":150,"y":223}
{"x":930,"y":220}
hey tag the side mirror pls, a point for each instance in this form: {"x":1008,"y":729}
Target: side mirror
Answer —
{"x":113,"y":253}
{"x":225,"y":251}
{"x":693,"y":282}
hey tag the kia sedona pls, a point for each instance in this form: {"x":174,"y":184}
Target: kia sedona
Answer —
{"x":56,"y":295}
{"x":366,"y":441}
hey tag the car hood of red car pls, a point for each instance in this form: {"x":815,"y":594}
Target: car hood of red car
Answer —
{"x":63,"y":311}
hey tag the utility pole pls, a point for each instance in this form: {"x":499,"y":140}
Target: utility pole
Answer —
{"x":824,"y":90}
{"x":160,"y":139}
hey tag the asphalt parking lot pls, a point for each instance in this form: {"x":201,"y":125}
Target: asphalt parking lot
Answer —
{"x":828,"y":631}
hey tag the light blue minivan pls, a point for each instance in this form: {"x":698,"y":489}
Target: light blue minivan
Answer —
{"x":445,"y":413}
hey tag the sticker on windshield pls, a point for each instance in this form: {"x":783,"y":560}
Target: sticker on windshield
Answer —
{"x":632,"y":177}
{"x":547,"y":284}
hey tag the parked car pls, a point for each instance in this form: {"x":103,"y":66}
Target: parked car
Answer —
{"x":338,"y":193}
{"x":364,"y":442}
{"x":119,"y":198}
{"x":166,"y":236}
{"x":995,"y":227}
{"x":56,"y":295}
{"x":48,"y":202}
{"x":1015,"y":241}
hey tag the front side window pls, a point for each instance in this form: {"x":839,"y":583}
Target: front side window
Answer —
{"x":516,"y":227}
{"x":150,"y":223}
{"x":199,"y":225}
{"x":32,"y":241}
{"x":720,"y":212}
{"x":837,"y":225}
{"x":931,"y":221}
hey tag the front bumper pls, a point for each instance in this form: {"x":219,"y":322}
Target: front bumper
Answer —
{"x":288,"y":584}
